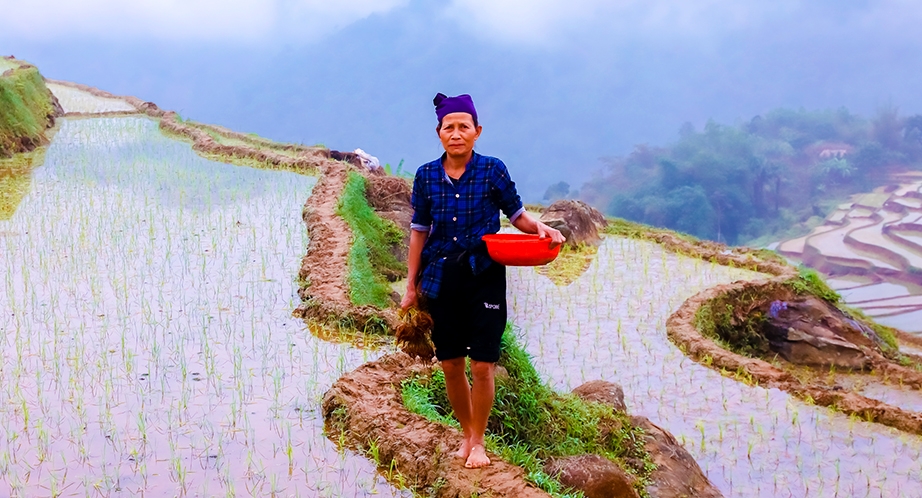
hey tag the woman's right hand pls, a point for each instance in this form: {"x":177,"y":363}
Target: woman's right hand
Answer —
{"x":409,"y":298}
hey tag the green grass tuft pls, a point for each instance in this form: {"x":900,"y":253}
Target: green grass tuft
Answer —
{"x":370,"y":257}
{"x":808,"y":281}
{"x":25,"y":104}
{"x":634,"y":230}
{"x":531,"y":423}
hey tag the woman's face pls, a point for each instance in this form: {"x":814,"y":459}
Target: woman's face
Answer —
{"x":458,"y":133}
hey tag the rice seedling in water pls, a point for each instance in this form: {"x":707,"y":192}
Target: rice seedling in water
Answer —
{"x":749,"y":440}
{"x":147,"y":339}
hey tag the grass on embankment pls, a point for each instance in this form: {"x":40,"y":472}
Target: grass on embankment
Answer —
{"x":25,"y":106}
{"x":370,"y":257}
{"x":531,"y":423}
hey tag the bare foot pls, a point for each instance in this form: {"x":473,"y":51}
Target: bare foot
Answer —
{"x":477,"y":458}
{"x":465,"y":450}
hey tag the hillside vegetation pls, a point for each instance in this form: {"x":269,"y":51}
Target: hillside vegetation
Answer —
{"x":27,"y":108}
{"x":774,"y":176}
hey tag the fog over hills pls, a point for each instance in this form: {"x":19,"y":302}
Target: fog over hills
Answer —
{"x":559,"y":85}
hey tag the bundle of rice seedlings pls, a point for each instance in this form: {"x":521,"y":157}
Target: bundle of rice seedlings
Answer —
{"x":413,"y":334}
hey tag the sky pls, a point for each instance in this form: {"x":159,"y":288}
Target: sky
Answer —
{"x":559,"y":85}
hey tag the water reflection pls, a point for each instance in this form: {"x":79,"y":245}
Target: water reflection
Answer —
{"x":15,"y":181}
{"x":751,"y":441}
{"x":147,"y":338}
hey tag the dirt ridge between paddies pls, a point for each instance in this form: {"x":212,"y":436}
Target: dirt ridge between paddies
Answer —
{"x":323,"y":271}
{"x":682,"y":330}
{"x":366,"y":407}
{"x":28,"y":108}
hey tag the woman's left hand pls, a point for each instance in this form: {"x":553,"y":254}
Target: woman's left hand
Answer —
{"x":545,"y":231}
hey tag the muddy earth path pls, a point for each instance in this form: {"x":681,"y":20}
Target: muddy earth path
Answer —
{"x":611,"y":324}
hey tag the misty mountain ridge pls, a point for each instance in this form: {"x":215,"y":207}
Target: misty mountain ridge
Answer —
{"x":772,"y":177}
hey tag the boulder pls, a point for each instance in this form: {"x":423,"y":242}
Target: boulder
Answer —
{"x":811,"y":348}
{"x":677,"y":475}
{"x":809,"y":331}
{"x":579,"y":222}
{"x":601,"y":391}
{"x":501,"y":375}
{"x":595,"y":476}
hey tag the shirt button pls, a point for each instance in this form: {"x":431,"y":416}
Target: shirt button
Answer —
{"x":454,"y":218}
{"x":457,"y":195}
{"x":454,"y":238}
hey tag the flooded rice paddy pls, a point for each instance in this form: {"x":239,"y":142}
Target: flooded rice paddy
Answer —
{"x":873,"y":244}
{"x":147,"y":341}
{"x":751,"y":441}
{"x":75,"y":100}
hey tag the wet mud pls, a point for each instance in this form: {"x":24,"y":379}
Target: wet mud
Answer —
{"x":366,"y":405}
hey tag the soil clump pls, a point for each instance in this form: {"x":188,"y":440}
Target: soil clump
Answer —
{"x":602,"y":391}
{"x":677,"y":473}
{"x":595,"y":476}
{"x":579,"y":222}
{"x":809,"y":331}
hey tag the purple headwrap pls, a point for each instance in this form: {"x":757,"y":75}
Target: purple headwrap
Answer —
{"x":445,"y":105}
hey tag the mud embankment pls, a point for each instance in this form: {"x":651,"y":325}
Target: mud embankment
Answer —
{"x":28,"y":108}
{"x":682,"y":331}
{"x":324,"y":289}
{"x":366,"y":405}
{"x":365,"y":408}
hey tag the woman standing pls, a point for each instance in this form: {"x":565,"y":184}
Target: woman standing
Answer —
{"x":456,"y":200}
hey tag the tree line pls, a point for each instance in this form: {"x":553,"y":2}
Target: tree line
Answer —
{"x":775,"y":176}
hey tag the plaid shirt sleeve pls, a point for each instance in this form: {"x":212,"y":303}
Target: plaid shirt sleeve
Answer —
{"x":503,"y":191}
{"x":422,"y":215}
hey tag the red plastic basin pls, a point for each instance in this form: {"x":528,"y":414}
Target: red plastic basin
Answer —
{"x":520,"y":249}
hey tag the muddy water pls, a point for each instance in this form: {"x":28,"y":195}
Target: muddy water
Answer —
{"x":610,"y":324}
{"x":146,"y":333}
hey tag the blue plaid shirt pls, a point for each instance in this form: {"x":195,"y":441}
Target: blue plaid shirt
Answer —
{"x":456,"y":217}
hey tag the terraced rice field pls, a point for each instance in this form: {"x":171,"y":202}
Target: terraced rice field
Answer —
{"x":751,"y":441}
{"x":149,"y":347}
{"x":75,"y":100}
{"x":147,"y":338}
{"x":872,"y":250}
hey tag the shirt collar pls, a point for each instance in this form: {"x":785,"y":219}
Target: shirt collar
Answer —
{"x":473,"y":162}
